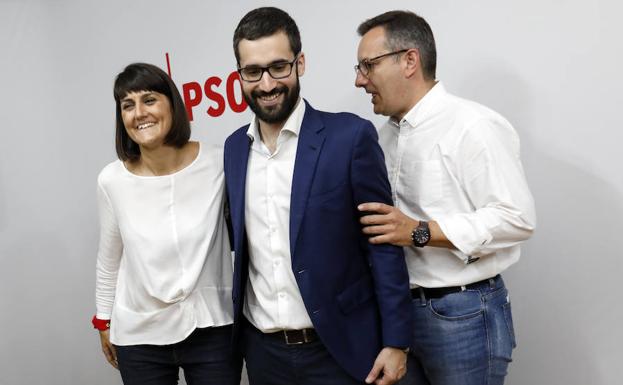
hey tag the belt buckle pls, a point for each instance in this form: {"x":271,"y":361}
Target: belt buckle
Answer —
{"x":305,"y":338}
{"x":285,"y":333}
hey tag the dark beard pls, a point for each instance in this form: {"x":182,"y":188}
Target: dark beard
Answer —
{"x":279,"y":113}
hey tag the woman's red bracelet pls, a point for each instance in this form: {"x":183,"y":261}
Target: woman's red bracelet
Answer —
{"x":100,"y":324}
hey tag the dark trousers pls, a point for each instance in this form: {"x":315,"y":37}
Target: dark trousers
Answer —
{"x":205,"y":356}
{"x":270,"y":361}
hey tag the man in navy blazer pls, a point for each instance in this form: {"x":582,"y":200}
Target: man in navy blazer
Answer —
{"x":314,"y":302}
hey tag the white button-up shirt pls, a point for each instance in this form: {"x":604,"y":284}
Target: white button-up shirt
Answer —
{"x":164,"y":265}
{"x":457,"y":162}
{"x":273,"y":300}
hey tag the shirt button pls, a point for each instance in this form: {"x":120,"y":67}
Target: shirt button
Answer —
{"x":281,"y":295}
{"x":276,"y":262}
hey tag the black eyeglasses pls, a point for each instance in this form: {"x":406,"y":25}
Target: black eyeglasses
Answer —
{"x":279,"y":70}
{"x":366,"y":65}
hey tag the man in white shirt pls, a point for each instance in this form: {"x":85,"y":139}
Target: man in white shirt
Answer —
{"x":314,"y":302}
{"x":461,"y":205}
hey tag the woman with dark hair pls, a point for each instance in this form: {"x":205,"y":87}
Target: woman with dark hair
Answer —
{"x":164,"y":268}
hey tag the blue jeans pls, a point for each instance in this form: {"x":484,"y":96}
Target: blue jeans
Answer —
{"x":271,"y":362}
{"x":464,"y":338}
{"x":205,"y":355}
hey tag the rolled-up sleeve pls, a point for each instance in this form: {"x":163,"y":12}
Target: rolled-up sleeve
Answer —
{"x":490,"y":170}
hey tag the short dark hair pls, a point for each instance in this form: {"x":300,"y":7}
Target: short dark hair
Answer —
{"x":405,"y":29}
{"x":147,"y":77}
{"x":263,"y":22}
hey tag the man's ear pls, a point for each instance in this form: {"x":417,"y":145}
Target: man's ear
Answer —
{"x":300,"y":64}
{"x":411,"y":60}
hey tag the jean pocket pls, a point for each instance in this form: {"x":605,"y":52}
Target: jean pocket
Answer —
{"x":457,"y":306}
{"x":508,"y":317}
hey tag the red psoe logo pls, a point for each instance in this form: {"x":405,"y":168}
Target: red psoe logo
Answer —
{"x":193,"y":94}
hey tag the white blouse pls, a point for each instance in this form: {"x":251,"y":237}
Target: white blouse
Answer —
{"x":164,"y":264}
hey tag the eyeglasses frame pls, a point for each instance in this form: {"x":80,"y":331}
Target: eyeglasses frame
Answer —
{"x":370,"y":63}
{"x":267,"y":69}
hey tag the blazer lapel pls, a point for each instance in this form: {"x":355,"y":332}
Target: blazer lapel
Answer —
{"x":311,"y":139}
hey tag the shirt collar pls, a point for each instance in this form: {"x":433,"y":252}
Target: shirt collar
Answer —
{"x":292,"y":125}
{"x":422,"y":108}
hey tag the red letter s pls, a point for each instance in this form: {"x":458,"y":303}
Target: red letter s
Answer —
{"x":214,"y":96}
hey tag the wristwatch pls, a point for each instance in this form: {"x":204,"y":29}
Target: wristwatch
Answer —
{"x":421,"y":234}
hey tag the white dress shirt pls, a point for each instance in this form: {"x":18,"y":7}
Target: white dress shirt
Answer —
{"x":272,"y":301}
{"x":164,"y":264}
{"x":457,"y":162}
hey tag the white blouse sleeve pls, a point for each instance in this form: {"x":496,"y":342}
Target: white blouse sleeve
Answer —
{"x":108,"y":255}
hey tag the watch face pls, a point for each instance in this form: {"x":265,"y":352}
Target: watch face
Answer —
{"x":420,"y":236}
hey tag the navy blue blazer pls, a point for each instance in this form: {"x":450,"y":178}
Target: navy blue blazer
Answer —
{"x":356,"y":294}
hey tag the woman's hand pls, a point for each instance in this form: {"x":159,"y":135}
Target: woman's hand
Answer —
{"x":108,"y":348}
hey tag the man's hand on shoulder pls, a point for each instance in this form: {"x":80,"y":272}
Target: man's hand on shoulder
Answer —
{"x":389,"y":367}
{"x":386,"y":224}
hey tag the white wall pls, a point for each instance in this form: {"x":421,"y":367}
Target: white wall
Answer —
{"x":553,"y":68}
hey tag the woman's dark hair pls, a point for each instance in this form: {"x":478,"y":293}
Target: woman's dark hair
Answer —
{"x":147,"y":77}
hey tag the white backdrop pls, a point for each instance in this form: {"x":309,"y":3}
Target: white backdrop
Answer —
{"x":553,"y":68}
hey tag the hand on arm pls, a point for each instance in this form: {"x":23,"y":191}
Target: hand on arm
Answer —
{"x":387,"y":224}
{"x":389,"y":367}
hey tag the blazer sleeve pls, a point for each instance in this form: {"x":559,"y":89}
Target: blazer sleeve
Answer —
{"x":391,"y":279}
